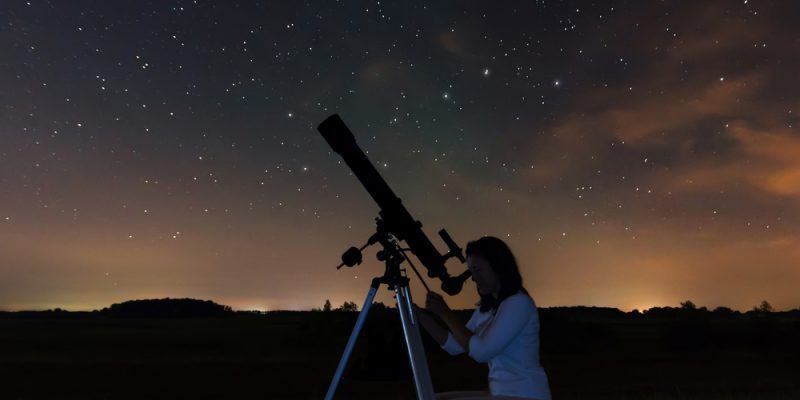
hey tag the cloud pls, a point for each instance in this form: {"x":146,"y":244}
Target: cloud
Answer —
{"x":707,"y":109}
{"x":765,"y":160}
{"x":451,"y":42}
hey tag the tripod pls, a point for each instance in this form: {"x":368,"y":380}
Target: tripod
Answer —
{"x":393,"y":256}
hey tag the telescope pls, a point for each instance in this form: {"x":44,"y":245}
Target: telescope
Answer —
{"x":396,"y":219}
{"x":394,"y":224}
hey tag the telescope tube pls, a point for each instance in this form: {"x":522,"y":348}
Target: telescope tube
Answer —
{"x":397,"y":219}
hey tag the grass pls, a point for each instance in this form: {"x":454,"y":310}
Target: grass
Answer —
{"x":294,"y":355}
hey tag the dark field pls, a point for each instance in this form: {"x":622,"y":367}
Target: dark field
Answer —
{"x":588,"y":354}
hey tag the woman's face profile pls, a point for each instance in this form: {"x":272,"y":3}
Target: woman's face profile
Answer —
{"x":483,"y":275}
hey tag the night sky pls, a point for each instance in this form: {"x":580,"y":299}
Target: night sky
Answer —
{"x":632,"y":154}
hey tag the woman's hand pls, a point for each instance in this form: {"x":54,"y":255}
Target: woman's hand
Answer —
{"x":436,"y":304}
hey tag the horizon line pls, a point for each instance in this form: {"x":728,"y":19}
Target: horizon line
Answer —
{"x":313,"y":309}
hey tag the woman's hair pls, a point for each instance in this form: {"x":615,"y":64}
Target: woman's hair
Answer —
{"x":504,"y":265}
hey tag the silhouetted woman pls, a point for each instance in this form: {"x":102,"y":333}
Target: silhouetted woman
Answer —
{"x":503,"y":331}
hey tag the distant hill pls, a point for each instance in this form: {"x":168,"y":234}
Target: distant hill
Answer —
{"x":167,"y":308}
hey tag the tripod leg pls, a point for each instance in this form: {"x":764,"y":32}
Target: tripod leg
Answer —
{"x":351,"y":342}
{"x":416,"y":352}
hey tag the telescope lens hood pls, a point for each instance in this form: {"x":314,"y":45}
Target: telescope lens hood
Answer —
{"x":337,"y":134}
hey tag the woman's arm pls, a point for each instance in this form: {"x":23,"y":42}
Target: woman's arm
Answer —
{"x":511,"y":318}
{"x":437,"y":305}
{"x":432,"y":325}
{"x":460,"y":332}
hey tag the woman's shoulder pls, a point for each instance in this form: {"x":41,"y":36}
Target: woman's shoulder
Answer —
{"x":519,"y":300}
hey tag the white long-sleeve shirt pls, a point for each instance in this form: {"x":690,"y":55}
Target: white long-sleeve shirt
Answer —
{"x":509,"y":342}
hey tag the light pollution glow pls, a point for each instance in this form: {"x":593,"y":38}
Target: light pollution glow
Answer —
{"x":663,"y":166}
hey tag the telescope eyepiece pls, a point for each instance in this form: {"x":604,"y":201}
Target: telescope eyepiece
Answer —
{"x":452,"y":285}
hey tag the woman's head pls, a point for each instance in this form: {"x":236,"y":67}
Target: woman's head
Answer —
{"x":494,"y":270}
